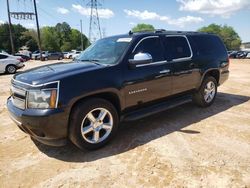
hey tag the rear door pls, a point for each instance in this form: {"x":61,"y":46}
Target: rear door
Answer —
{"x":150,"y":81}
{"x":185,"y":73}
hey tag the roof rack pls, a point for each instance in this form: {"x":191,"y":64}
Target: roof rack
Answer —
{"x":155,"y":31}
{"x":160,"y":31}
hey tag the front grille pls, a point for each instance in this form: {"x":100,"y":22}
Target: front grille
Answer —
{"x":18,"y":97}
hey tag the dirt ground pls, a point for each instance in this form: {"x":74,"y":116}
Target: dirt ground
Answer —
{"x":183,"y":147}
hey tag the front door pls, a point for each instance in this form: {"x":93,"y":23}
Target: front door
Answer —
{"x":151,"y":81}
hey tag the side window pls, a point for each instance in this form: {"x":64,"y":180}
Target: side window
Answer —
{"x":213,"y":44}
{"x":3,"y":56}
{"x":176,"y":47}
{"x":151,"y":46}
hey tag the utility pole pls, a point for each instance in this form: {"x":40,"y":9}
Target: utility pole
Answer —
{"x":38,"y":30}
{"x":11,"y":37}
{"x":81,"y":35}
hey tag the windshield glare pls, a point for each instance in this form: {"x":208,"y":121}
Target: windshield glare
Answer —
{"x":106,"y":51}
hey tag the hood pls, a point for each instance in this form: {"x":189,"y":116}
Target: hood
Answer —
{"x":54,"y":72}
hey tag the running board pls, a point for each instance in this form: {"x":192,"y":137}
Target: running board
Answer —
{"x":154,"y":109}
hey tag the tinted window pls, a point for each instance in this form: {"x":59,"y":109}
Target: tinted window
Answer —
{"x":151,"y":46}
{"x":176,"y":47}
{"x":208,"y":44}
{"x":3,"y":56}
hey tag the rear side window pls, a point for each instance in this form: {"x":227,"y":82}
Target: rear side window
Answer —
{"x":153,"y":47}
{"x":208,"y":44}
{"x":3,"y":56}
{"x":176,"y":47}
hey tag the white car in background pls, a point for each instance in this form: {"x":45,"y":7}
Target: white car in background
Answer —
{"x":72,"y":54}
{"x":76,"y":55}
{"x":10,"y":63}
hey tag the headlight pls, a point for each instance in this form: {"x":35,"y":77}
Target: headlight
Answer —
{"x":42,"y":99}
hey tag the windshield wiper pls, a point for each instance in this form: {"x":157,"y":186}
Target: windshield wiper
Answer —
{"x":90,"y":60}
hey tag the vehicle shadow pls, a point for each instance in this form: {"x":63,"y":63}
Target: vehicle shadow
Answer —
{"x":137,"y":133}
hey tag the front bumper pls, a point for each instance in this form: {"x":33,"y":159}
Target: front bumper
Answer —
{"x":49,"y":126}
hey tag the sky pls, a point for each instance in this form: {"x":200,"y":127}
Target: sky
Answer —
{"x":119,"y":16}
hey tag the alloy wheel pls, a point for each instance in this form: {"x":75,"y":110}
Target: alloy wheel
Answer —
{"x":11,"y":69}
{"x":209,"y":91}
{"x":97,"y":125}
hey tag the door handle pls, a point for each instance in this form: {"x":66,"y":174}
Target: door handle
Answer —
{"x":192,"y":65}
{"x":165,"y":71}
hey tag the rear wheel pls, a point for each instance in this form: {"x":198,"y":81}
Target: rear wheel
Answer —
{"x":205,"y":96}
{"x":93,"y":123}
{"x":11,"y":69}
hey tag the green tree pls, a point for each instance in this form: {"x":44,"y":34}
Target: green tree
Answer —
{"x":31,"y":39}
{"x":143,"y":27}
{"x":227,"y":33}
{"x":58,"y":38}
{"x":75,"y":39}
{"x":50,"y":39}
{"x":63,"y":31}
{"x":18,"y":41}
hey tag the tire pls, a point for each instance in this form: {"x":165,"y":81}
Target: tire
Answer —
{"x":70,"y":57}
{"x":87,"y":116}
{"x":11,"y":69}
{"x":206,"y":95}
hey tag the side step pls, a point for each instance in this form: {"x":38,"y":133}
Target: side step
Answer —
{"x":147,"y":111}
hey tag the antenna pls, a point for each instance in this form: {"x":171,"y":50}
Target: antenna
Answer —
{"x":94,"y":23}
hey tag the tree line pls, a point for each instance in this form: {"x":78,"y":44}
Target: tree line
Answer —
{"x":60,"y":37}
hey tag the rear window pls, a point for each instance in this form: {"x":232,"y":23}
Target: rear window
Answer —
{"x":208,"y":44}
{"x":176,"y":47}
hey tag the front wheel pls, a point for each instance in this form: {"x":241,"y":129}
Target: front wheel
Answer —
{"x":93,"y":123}
{"x":205,"y":96}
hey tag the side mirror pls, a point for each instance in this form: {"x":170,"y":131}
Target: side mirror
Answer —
{"x":140,"y":59}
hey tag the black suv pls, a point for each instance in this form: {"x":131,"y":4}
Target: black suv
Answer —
{"x":119,"y":78}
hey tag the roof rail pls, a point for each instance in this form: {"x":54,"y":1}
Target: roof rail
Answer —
{"x":155,"y":31}
{"x":160,"y":31}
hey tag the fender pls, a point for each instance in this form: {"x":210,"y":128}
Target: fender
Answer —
{"x":106,"y":91}
{"x":205,"y":73}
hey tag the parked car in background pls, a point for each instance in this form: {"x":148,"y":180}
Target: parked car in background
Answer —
{"x":24,"y":57}
{"x":35,"y":54}
{"x":65,"y":54}
{"x":9,"y":63}
{"x":76,"y":55}
{"x":73,"y":52}
{"x":52,"y":56}
{"x":238,"y":54}
{"x":241,"y":54}
{"x":37,"y":57}
{"x":248,"y":55}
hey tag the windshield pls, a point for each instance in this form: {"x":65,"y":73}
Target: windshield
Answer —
{"x":105,"y":51}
